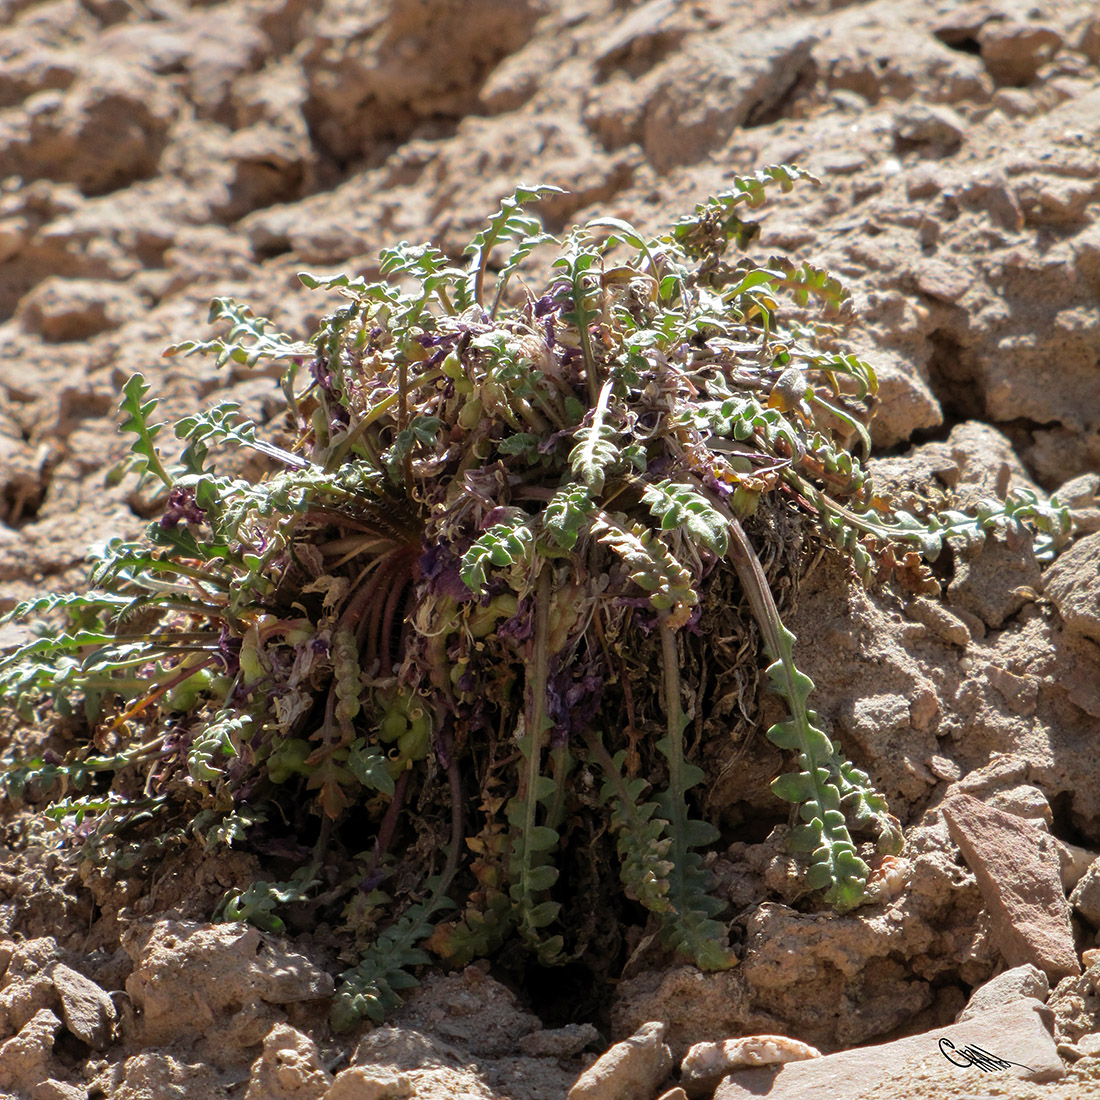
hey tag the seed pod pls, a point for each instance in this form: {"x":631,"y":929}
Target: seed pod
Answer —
{"x":347,"y":676}
{"x":745,"y":501}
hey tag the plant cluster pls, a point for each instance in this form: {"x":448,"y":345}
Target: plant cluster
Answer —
{"x":446,"y":637}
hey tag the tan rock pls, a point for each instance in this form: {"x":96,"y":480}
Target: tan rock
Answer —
{"x":365,"y":1083}
{"x":713,"y":86}
{"x":51,"y":1089}
{"x":28,"y":988}
{"x":88,"y":1012}
{"x":1075,"y":862}
{"x":25,"y":1058}
{"x":60,"y":309}
{"x":289,"y":1068}
{"x":1013,"y":51}
{"x":559,"y":1042}
{"x":215,"y":980}
{"x":1073,"y":584}
{"x":1019,"y":874}
{"x":1086,"y":895}
{"x":707,"y":1063}
{"x":154,"y":1074}
{"x":1018,"y":1033}
{"x":1011,"y":985}
{"x":631,"y":1069}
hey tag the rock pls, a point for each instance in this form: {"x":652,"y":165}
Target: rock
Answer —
{"x":469,"y":1009}
{"x":107,"y":130}
{"x":26,"y":1058}
{"x":1072,"y":583}
{"x":388,"y":1058}
{"x":1012,"y":985}
{"x":210,"y":53}
{"x":58,"y":1090}
{"x":1076,"y":1005}
{"x":1019,"y":1032}
{"x":191,"y":978}
{"x":1086,"y":895}
{"x":60,"y":309}
{"x":631,"y":1069}
{"x":1018,"y":872}
{"x":403,"y":1048}
{"x":289,"y":1068}
{"x":1080,"y":495}
{"x":716,"y":84}
{"x":27,"y":985}
{"x":373,"y":72}
{"x":559,"y":1042}
{"x":875,"y":54}
{"x":1014,"y":52}
{"x":643,"y":37}
{"x":707,"y":1063}
{"x":88,"y":1012}
{"x":673,"y":1094}
{"x":907,"y":404}
{"x":363,"y":1083}
{"x":154,"y":1075}
{"x":934,"y":129}
{"x":1075,"y":862}
{"x":996,"y":578}
{"x":940,"y":621}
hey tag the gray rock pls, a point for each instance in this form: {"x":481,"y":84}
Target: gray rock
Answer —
{"x":1012,"y":985}
{"x":1019,"y":1033}
{"x":1019,"y":874}
{"x":87,"y":1010}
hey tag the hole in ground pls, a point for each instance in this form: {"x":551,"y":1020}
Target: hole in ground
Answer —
{"x":953,"y":378}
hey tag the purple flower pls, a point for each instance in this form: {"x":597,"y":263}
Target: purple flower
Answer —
{"x":181,"y":508}
{"x":229,"y":652}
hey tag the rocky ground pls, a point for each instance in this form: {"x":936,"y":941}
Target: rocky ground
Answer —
{"x":158,"y":152}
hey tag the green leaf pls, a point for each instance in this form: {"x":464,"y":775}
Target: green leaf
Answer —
{"x":137,"y":411}
{"x":682,"y":506}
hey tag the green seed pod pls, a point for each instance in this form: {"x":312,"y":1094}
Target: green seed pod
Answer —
{"x":185,"y":695}
{"x":347,"y":675}
{"x":745,"y":501}
{"x":469,"y":416}
{"x":416,"y":741}
{"x":288,"y":759}
{"x":392,"y":726}
{"x":482,"y":620}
